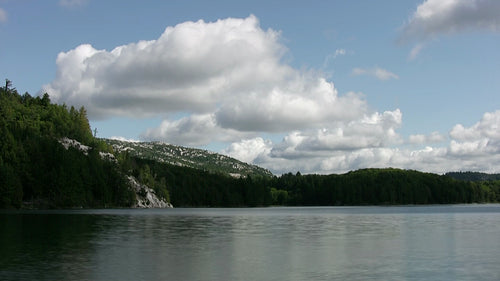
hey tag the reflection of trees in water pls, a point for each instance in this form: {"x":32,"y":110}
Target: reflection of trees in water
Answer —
{"x":46,"y":246}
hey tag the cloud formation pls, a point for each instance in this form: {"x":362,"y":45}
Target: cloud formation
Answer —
{"x":376,"y":72}
{"x":226,"y":81}
{"x":192,"y":67}
{"x":227,"y":76}
{"x":476,"y":148}
{"x":436,"y":17}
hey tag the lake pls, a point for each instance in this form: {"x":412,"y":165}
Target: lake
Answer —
{"x":457,"y":242}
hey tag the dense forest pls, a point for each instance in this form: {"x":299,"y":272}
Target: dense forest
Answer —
{"x":473,"y":176}
{"x":193,"y":188}
{"x":37,"y":171}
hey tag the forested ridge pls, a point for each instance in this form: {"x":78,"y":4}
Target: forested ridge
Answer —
{"x":37,"y":171}
{"x":193,"y":188}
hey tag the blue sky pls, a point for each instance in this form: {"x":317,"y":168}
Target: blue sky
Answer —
{"x":316,"y":86}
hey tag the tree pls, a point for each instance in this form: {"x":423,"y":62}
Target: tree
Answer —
{"x":8,"y":85}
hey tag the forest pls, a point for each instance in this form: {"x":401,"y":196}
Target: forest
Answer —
{"x":37,"y":171}
{"x":193,"y":188}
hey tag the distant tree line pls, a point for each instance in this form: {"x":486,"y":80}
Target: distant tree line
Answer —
{"x":473,"y":176}
{"x":381,"y":187}
{"x":189,"y":187}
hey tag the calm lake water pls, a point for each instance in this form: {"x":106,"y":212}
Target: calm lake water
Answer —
{"x":331,"y":243}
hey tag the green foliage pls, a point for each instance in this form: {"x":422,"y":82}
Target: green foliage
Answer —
{"x":473,"y":176}
{"x":279,"y":197}
{"x":36,"y":170}
{"x":189,"y":187}
{"x":381,"y":187}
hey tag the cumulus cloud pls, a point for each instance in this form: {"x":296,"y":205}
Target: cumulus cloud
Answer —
{"x":317,"y":150}
{"x":229,"y":82}
{"x":435,"y":17}
{"x":375,"y":130}
{"x":376,"y":72}
{"x":3,"y":15}
{"x":227,"y":76}
{"x":475,"y":148}
{"x":250,"y":150}
{"x":487,"y":128}
{"x":193,"y":130}
{"x":481,"y":139}
{"x":192,"y":67}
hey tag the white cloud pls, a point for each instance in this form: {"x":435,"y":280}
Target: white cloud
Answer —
{"x":483,"y":138}
{"x":317,"y":150}
{"x":123,"y":139}
{"x":227,"y":76}
{"x":436,"y":17}
{"x":249,"y":150}
{"x":192,"y":67}
{"x":193,"y":130}
{"x":476,"y":148}
{"x":3,"y":15}
{"x":487,"y":128}
{"x":375,"y":130}
{"x":376,"y":72}
{"x":229,"y":82}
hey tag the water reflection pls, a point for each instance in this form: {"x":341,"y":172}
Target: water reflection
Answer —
{"x":253,"y":244}
{"x":40,"y":247}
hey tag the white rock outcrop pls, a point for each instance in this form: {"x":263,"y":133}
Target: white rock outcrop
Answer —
{"x":67,"y":143}
{"x":146,"y":197}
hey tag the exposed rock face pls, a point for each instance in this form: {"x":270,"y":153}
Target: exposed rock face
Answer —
{"x":146,"y":197}
{"x":67,"y":143}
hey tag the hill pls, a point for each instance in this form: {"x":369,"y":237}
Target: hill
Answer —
{"x":50,"y":159}
{"x":37,"y":170}
{"x":188,"y":157}
{"x":381,"y":187}
{"x":473,"y":176}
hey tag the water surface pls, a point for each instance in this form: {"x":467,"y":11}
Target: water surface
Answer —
{"x":326,"y":243}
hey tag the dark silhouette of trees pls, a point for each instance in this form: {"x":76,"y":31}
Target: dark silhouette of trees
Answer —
{"x":36,"y":170}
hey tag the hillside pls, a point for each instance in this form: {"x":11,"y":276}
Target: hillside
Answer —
{"x":473,"y":176}
{"x":188,"y":157}
{"x":50,"y":159}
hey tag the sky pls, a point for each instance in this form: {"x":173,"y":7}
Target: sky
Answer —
{"x":311,"y":86}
